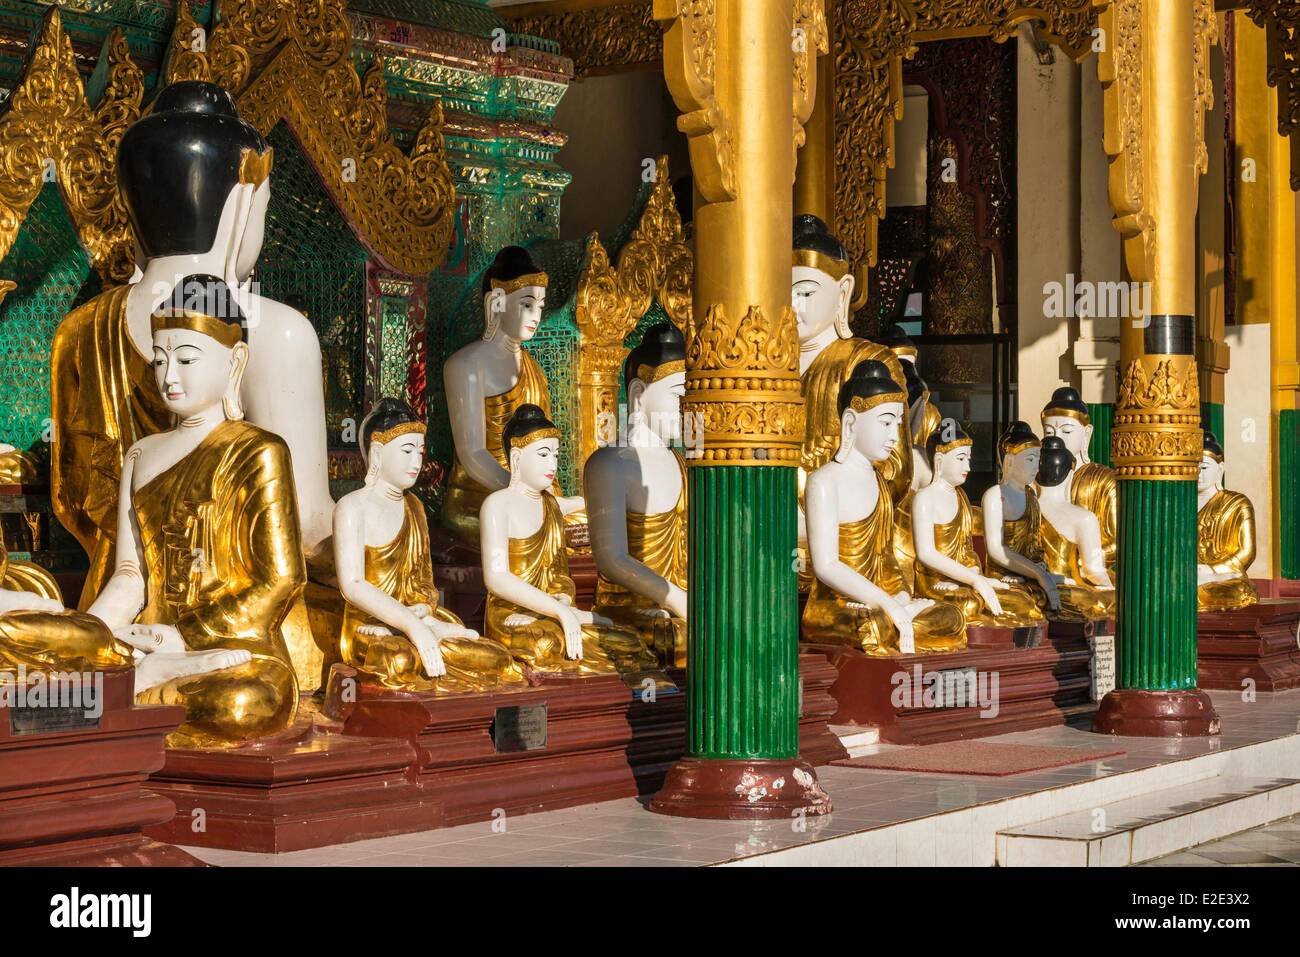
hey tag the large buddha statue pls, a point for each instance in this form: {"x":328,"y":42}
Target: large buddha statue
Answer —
{"x":487,"y":381}
{"x":1023,"y":547}
{"x":942,"y":523}
{"x":1225,"y":537}
{"x":1091,"y":486}
{"x":530,"y":606}
{"x":196,"y":183}
{"x":209,"y":555}
{"x":636,"y":495}
{"x":393,"y":628}
{"x":858,"y":596}
{"x":1070,"y":539}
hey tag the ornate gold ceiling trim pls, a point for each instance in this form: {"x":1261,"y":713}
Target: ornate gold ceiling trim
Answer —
{"x":605,"y":38}
{"x":49,"y":130}
{"x":1281,"y":22}
{"x":870,"y":40}
{"x":292,"y":60}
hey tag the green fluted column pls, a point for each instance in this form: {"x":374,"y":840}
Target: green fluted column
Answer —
{"x":1287,"y":485}
{"x":1157,"y":586}
{"x":744,"y":659}
{"x":1101,"y":414}
{"x":1212,"y":418}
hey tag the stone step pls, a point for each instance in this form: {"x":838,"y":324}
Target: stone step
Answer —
{"x":1143,"y":828}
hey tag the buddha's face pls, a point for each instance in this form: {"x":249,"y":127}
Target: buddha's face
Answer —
{"x":519,"y":312}
{"x":1021,"y":468}
{"x":194,"y":372}
{"x":954,"y":466}
{"x":875,"y":431}
{"x":1071,"y":431}
{"x":819,"y":301}
{"x":536,"y":463}
{"x":400,"y":459}
{"x":1210,"y":475}
{"x":250,"y":243}
{"x":660,"y":405}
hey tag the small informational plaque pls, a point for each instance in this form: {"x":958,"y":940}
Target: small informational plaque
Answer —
{"x":957,"y":688}
{"x":47,"y":720}
{"x":1103,"y":665}
{"x":520,"y":727}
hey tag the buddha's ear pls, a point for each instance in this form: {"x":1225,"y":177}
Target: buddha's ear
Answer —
{"x":231,"y":404}
{"x":844,"y":307}
{"x":635,"y":390}
{"x":847,"y":422}
{"x":515,"y":453}
{"x":243,"y":211}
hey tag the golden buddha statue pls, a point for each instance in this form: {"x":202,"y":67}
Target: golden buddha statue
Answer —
{"x":210,"y":558}
{"x":486,"y":382}
{"x":530,"y":606}
{"x":637,"y":502}
{"x":1092,"y":486}
{"x":942,"y":525}
{"x":858,"y":596}
{"x":195,"y":181}
{"x":1225,"y":537}
{"x":394,"y":630}
{"x":1029,"y":550}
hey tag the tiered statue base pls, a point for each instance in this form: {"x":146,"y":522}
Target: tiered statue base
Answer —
{"x":72,"y":788}
{"x":307,"y":788}
{"x":926,"y":699}
{"x":1260,"y":644}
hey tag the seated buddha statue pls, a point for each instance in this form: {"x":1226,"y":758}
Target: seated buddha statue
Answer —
{"x":942,"y":523}
{"x":858,"y":596}
{"x":1070,"y":538}
{"x":209,"y":555}
{"x":530,"y":605}
{"x":1091,"y":486}
{"x":195,"y":180}
{"x":821,"y":289}
{"x":636,"y":495}
{"x":486,"y":382}
{"x":394,"y":630}
{"x":1225,"y":537}
{"x":1023,"y":547}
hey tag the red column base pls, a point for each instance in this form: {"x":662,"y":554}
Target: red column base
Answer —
{"x":1157,"y":714}
{"x":758,"y":790}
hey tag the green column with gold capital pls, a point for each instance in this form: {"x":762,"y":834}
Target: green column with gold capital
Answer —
{"x":735,"y":68}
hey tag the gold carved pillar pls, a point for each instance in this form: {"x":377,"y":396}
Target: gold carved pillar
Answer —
{"x":1155,"y":72}
{"x":743,"y":73}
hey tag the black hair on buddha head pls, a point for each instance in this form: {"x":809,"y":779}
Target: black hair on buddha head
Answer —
{"x":894,"y":338}
{"x":1018,"y":437}
{"x":388,"y":419}
{"x":511,"y":263}
{"x":528,"y":418}
{"x":871,"y":384}
{"x":812,"y":234}
{"x":1055,"y":462}
{"x":177,"y":166}
{"x":916,"y":386}
{"x":1211,"y":446}
{"x":663,"y":345}
{"x":204,"y":304}
{"x":1066,"y":401}
{"x":948,"y":437}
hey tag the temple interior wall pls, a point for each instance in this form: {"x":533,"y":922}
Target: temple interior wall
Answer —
{"x":1247,"y":411}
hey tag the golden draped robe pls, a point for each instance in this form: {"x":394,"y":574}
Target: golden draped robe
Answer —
{"x":224,"y":566}
{"x":103,"y":400}
{"x":1092,"y":486}
{"x":659,"y":543}
{"x":1033,"y":537}
{"x":1225,"y":540}
{"x":541,"y":560}
{"x":44,"y":641}
{"x":464,"y":496}
{"x":403,"y":570}
{"x":954,"y":540}
{"x":867,"y":547}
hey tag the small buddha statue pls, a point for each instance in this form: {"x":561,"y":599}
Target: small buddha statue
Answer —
{"x":1225,"y":537}
{"x":942,"y":524}
{"x":210,"y":557}
{"x":858,"y":596}
{"x":1070,"y":539}
{"x":636,"y":494}
{"x":530,"y":605}
{"x":486,"y":382}
{"x":1030,"y":549}
{"x":1091,"y":486}
{"x":394,"y":630}
{"x":923,"y":417}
